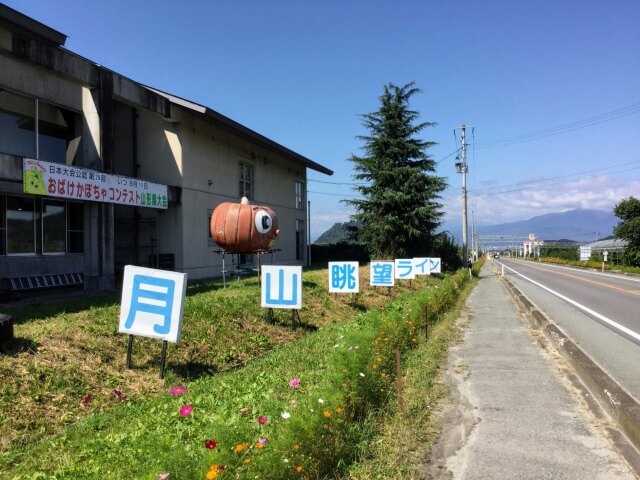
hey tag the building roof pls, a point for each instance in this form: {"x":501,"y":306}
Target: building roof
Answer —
{"x":608,"y":244}
{"x":237,"y":128}
{"x":32,"y":26}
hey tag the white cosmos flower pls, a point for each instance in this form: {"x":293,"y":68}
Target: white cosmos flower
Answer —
{"x":285,"y":415}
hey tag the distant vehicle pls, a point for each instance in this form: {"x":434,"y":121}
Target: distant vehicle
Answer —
{"x":496,"y":255}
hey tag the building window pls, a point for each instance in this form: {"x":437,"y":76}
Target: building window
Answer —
{"x":30,"y":226}
{"x":300,"y":243}
{"x":59,"y":134}
{"x":56,"y":138}
{"x":299,"y":195}
{"x":246,"y":180}
{"x":21,"y":232}
{"x":75,"y":227}
{"x":54,"y":225}
{"x":17,"y":124}
{"x":3,"y":227}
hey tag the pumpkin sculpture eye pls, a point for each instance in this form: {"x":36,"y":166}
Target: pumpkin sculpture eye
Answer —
{"x":264,"y":222}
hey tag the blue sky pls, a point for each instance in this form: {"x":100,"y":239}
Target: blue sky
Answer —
{"x":301,"y":73}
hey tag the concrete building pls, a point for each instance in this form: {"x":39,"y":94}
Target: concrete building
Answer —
{"x":98,"y":171}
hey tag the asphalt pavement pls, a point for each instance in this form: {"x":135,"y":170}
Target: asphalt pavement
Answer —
{"x":514,"y":414}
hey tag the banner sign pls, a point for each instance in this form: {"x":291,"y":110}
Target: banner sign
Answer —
{"x":73,"y":183}
{"x":152,"y":303}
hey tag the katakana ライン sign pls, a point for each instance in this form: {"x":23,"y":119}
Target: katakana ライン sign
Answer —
{"x":67,"y":181}
{"x":404,"y":269}
{"x":281,"y":287}
{"x":435,"y":265}
{"x":343,"y":277}
{"x":381,"y":273}
{"x":421,"y":266}
{"x":152,"y":303}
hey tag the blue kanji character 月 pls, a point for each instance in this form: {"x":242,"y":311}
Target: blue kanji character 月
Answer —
{"x":152,"y":295}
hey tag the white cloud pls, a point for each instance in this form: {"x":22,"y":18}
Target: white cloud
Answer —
{"x":514,"y":204}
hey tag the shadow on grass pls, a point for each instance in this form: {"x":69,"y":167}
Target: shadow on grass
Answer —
{"x":16,"y":346}
{"x":192,"y":370}
{"x":358,"y":306}
{"x":289,"y":320}
{"x":42,"y":306}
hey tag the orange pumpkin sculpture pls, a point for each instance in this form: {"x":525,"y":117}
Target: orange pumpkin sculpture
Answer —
{"x":244,"y":228}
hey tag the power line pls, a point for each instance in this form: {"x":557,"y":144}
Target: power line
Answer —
{"x":360,"y":183}
{"x":532,"y":183}
{"x":564,"y":128}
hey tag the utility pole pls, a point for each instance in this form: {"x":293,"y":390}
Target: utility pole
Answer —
{"x":461,"y":167}
{"x":474,"y":238}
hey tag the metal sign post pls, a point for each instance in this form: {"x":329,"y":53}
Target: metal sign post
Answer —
{"x":152,"y":306}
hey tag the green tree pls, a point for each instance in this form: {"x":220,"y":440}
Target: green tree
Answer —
{"x":628,"y":210}
{"x":399,"y":208}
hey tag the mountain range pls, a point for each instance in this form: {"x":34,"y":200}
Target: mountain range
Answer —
{"x":579,"y":225}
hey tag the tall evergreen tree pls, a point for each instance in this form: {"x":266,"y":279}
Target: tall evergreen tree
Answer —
{"x":628,"y":211}
{"x":399,"y":209}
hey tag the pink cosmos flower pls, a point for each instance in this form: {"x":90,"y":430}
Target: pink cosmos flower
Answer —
{"x":178,"y":391}
{"x":263,"y":420}
{"x":186,"y":410}
{"x":262,"y":441}
{"x":87,"y":399}
{"x":162,"y":476}
{"x":294,"y":383}
{"x":119,"y":394}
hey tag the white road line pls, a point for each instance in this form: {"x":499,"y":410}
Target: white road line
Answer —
{"x":599,"y":316}
{"x":590,"y":272}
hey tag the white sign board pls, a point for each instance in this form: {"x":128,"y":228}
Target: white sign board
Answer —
{"x":344,"y":277}
{"x":404,"y":269}
{"x":281,"y":287}
{"x":435,"y":265}
{"x":381,"y":273}
{"x":585,"y":253}
{"x":421,"y":266}
{"x":152,"y":303}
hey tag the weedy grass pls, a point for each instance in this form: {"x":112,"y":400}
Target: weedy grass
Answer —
{"x":402,"y":442}
{"x":71,"y":409}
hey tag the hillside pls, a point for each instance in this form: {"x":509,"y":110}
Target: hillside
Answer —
{"x":339,"y":233}
{"x":578,"y":225}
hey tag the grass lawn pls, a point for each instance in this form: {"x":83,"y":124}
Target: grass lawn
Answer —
{"x":71,"y":409}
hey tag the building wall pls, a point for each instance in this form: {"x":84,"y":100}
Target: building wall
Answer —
{"x":129,"y":130}
{"x":211,"y":172}
{"x":36,"y":82}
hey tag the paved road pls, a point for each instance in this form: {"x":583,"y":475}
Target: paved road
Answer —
{"x":599,"y":312}
{"x":513,"y":415}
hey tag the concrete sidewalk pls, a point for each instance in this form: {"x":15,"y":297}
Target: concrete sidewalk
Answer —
{"x":513,"y":414}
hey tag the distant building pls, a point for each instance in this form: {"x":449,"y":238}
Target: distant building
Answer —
{"x":98,"y":171}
